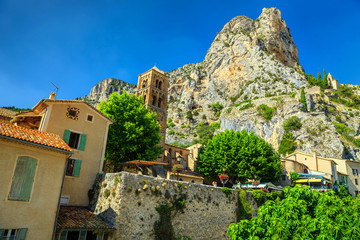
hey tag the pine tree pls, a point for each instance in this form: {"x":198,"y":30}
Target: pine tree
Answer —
{"x":303,"y":98}
{"x":326,"y":85}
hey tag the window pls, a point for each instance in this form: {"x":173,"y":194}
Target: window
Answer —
{"x":159,"y":103}
{"x":23,"y":179}
{"x":356,"y":181}
{"x":13,"y":234}
{"x":73,"y":167}
{"x":159,"y":85}
{"x":355,"y":171}
{"x":154,"y":100}
{"x":81,"y":235}
{"x":73,"y":113}
{"x":75,"y":140}
{"x":283,"y":177}
{"x":90,"y":118}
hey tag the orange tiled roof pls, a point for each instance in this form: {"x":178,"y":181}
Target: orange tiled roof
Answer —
{"x":80,"y":218}
{"x":34,"y":136}
{"x":142,"y":162}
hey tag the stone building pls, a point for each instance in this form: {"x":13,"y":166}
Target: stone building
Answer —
{"x":6,"y":115}
{"x":153,"y":87}
{"x":332,"y":82}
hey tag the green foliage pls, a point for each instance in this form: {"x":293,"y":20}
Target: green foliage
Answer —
{"x":292,"y":123}
{"x":189,"y":115}
{"x":227,"y":191}
{"x":303,"y":214}
{"x":245,"y":208}
{"x":246,"y":106}
{"x":266,"y":112}
{"x":347,"y":97}
{"x":288,"y":144}
{"x":106,"y":193}
{"x":169,"y":120}
{"x":135,"y":132}
{"x":171,"y":132}
{"x":303,"y":99}
{"x":259,"y":196}
{"x":294,"y":176}
{"x":356,"y":142}
{"x":206,"y":132}
{"x":345,"y":131}
{"x":163,"y":228}
{"x":15,"y":109}
{"x":244,"y":156}
{"x":216,"y":108}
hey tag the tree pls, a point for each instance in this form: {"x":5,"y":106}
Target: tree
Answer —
{"x":303,"y":98}
{"x":325,"y":84}
{"x":288,"y":144}
{"x":135,"y":133}
{"x":245,"y":156}
{"x":303,"y":214}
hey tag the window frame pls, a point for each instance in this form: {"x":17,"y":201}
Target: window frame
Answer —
{"x":75,"y":168}
{"x":81,"y":141}
{"x":20,"y":234}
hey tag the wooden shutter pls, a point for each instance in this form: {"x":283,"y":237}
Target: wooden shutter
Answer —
{"x":82,"y":142}
{"x":22,"y":234}
{"x":77,"y":168}
{"x":66,"y":136}
{"x":18,"y":179}
{"x":29,"y":179}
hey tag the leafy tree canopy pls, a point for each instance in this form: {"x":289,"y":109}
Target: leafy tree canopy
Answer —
{"x":303,"y":214}
{"x":135,"y":133}
{"x":245,"y":156}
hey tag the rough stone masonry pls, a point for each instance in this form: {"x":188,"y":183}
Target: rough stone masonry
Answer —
{"x":128,"y":201}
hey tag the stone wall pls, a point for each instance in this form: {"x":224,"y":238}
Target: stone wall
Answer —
{"x":128,"y":201}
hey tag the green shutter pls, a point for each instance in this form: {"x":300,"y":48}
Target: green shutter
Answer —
{"x":66,"y":136}
{"x":18,"y":178}
{"x":28,"y":179}
{"x":77,"y":168}
{"x":1,"y":233}
{"x":82,"y":142}
{"x":22,"y":234}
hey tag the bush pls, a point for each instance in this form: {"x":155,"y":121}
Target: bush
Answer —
{"x":288,"y":144}
{"x":292,"y":123}
{"x":189,"y":115}
{"x":266,"y":112}
{"x":259,"y":196}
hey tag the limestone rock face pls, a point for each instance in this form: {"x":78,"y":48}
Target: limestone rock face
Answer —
{"x":249,"y":63}
{"x":102,"y":90}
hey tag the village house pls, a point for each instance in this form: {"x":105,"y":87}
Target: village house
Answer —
{"x":84,"y":129}
{"x":33,"y":165}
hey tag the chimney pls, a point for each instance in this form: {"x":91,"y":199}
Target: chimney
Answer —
{"x":52,"y":96}
{"x":316,"y":161}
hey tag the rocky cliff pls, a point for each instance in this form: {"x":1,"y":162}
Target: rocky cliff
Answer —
{"x":102,"y":90}
{"x":254,"y":63}
{"x":250,"y":63}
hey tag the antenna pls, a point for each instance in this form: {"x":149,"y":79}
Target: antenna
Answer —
{"x":57,"y":88}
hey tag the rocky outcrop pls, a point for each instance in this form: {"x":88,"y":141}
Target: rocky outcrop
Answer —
{"x":255,"y":60}
{"x":250,"y":63}
{"x":102,"y":90}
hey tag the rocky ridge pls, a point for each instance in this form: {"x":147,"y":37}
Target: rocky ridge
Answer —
{"x":250,"y":63}
{"x":102,"y":90}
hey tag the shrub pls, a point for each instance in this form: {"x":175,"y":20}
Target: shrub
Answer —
{"x":259,"y":196}
{"x":266,"y":111}
{"x":292,"y":123}
{"x":288,"y":144}
{"x":171,"y":132}
{"x":189,"y":115}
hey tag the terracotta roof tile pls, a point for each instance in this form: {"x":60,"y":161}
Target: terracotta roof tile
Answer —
{"x":79,"y":218}
{"x":34,"y":136}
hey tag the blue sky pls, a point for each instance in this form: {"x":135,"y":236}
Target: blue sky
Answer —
{"x":75,"y":44}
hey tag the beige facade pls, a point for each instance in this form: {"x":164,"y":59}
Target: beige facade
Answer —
{"x":172,"y":154}
{"x":193,"y":155}
{"x":349,"y":171}
{"x":290,"y":166}
{"x":85,"y":130}
{"x":36,"y":215}
{"x":153,"y":87}
{"x":316,"y":163}
{"x":332,"y":82}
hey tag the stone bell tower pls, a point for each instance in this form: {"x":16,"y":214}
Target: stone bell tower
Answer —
{"x":153,"y":87}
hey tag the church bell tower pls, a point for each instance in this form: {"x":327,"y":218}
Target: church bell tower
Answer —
{"x":153,"y":87}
